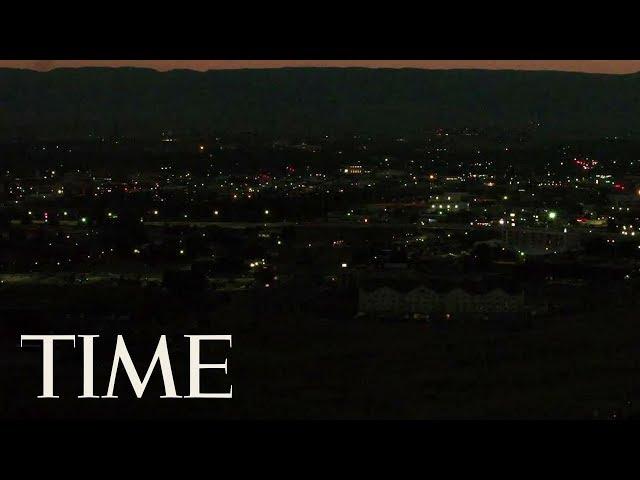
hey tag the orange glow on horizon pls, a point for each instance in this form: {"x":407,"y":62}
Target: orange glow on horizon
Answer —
{"x":591,"y":66}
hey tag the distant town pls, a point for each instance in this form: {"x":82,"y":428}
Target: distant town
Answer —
{"x":457,"y":229}
{"x":459,"y":223}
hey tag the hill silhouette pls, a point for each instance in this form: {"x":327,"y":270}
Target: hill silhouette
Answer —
{"x":136,"y":101}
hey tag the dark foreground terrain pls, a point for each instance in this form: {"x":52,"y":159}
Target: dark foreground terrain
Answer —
{"x":296,"y":367}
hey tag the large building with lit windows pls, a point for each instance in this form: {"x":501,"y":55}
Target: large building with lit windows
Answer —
{"x":353,"y":169}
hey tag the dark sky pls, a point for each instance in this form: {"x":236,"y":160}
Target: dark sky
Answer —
{"x":596,"y":66}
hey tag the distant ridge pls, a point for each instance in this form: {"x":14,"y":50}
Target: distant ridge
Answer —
{"x":69,"y":102}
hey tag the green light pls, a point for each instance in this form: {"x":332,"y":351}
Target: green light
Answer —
{"x":552,"y":215}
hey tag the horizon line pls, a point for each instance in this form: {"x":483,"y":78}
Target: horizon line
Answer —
{"x":238,"y":69}
{"x":613,"y":67}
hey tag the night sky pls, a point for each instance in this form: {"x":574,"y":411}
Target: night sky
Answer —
{"x":595,"y":66}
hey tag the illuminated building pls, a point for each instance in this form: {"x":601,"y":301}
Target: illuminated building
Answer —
{"x":353,"y":170}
